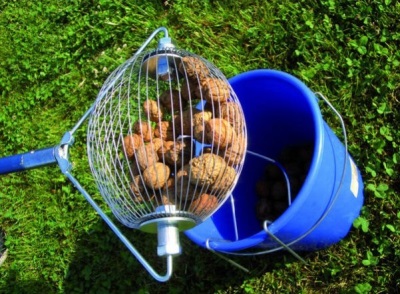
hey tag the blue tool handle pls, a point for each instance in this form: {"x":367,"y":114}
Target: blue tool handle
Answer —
{"x":32,"y":159}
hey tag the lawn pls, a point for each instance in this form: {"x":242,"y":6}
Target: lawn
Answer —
{"x":56,"y":55}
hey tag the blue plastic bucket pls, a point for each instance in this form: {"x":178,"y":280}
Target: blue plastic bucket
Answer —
{"x":282,"y":111}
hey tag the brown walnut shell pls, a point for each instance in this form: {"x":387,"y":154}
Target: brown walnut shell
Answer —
{"x":137,"y":190}
{"x":164,"y":148}
{"x":215,"y":90}
{"x":189,"y":90}
{"x":234,"y":153}
{"x":164,"y":131}
{"x":178,"y":154}
{"x":156,"y":175}
{"x":225,"y":180}
{"x":231,"y":112}
{"x":206,"y":169}
{"x":183,"y":121}
{"x":205,"y":204}
{"x":152,"y":110}
{"x":219,"y":132}
{"x":171,"y":100}
{"x":131,"y":144}
{"x":199,"y":121}
{"x":143,"y":129}
{"x":146,"y":156}
{"x":193,"y":68}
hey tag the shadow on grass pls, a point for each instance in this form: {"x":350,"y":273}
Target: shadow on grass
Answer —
{"x":102,"y":264}
{"x":16,"y":286}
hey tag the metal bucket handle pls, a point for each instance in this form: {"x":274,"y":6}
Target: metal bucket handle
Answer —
{"x":282,"y":244}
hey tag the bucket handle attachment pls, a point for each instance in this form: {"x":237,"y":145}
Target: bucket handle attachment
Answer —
{"x":282,"y":244}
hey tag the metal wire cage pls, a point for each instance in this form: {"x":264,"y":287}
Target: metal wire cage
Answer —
{"x":117,"y":115}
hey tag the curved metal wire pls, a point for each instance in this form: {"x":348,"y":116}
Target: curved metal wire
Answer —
{"x":117,"y":112}
{"x":286,"y":246}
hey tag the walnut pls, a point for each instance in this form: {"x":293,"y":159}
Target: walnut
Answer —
{"x":166,"y":201}
{"x":164,"y":130}
{"x":279,"y":191}
{"x":171,"y":100}
{"x":156,"y":144}
{"x":263,"y":189}
{"x":234,"y":153}
{"x":156,"y":175}
{"x":215,"y":90}
{"x":193,"y":68}
{"x":199,"y":116}
{"x":273,"y":172}
{"x":183,"y":174}
{"x":225,"y":180}
{"x":143,"y":129}
{"x":152,"y":110}
{"x":183,"y":122}
{"x":206,"y":169}
{"x":264,"y":210}
{"x":280,"y":207}
{"x":199,"y":121}
{"x":134,"y":169}
{"x":178,"y":189}
{"x":131,"y":144}
{"x":179,"y":153}
{"x":199,"y":92}
{"x":189,"y":90}
{"x":181,"y":192}
{"x":191,"y":120}
{"x":205,"y":204}
{"x":231,"y":112}
{"x":163,"y":149}
{"x":146,"y":156}
{"x":219,"y":132}
{"x":137,"y":190}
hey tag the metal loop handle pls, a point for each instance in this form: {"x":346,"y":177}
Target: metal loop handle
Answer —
{"x":123,"y":239}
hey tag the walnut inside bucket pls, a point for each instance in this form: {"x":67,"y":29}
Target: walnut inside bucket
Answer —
{"x":272,"y":189}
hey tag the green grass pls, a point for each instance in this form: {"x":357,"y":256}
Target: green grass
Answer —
{"x":54,"y":57}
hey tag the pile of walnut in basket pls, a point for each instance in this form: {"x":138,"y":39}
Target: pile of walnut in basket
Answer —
{"x":161,"y":145}
{"x":271,"y":189}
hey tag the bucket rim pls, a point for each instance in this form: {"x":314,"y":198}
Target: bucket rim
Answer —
{"x":318,"y":142}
